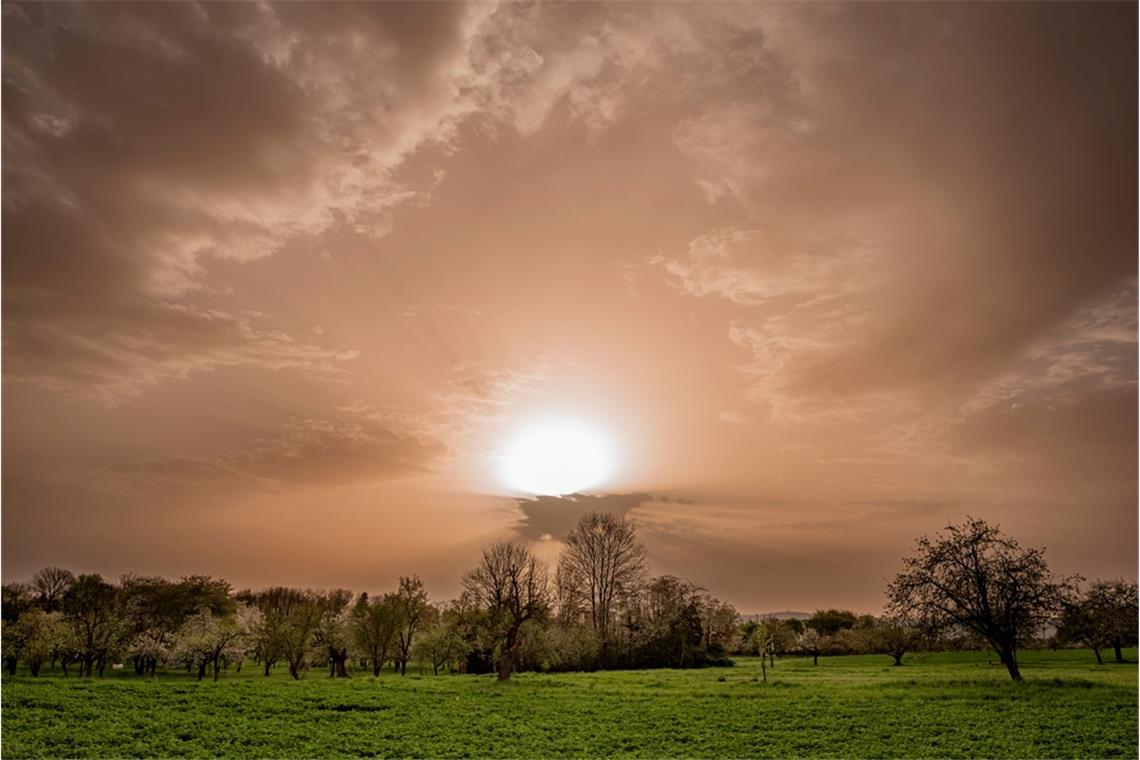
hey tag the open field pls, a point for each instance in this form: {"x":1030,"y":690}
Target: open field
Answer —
{"x":941,"y":705}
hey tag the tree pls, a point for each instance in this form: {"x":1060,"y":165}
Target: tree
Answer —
{"x":150,"y":611}
{"x":439,"y":646}
{"x":49,"y":585}
{"x":373,"y":625}
{"x":1114,"y":604}
{"x":32,"y":638}
{"x":410,"y":604}
{"x":762,"y":639}
{"x":1102,"y":617}
{"x":148,"y":648}
{"x":831,"y":622}
{"x":296,"y":632}
{"x":813,"y":643}
{"x":331,"y":634}
{"x":207,"y":639}
{"x":973,"y":577}
{"x":895,"y":636}
{"x":512,"y":584}
{"x":266,"y":637}
{"x":719,"y":625}
{"x":89,"y":608}
{"x":672,"y":624}
{"x":602,"y":558}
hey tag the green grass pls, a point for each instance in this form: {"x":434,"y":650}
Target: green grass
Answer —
{"x":944,"y":705}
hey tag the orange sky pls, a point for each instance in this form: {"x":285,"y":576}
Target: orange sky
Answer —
{"x":279,"y":282}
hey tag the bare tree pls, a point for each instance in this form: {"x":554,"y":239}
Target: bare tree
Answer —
{"x":513,"y":585}
{"x":411,"y":602}
{"x":49,"y":585}
{"x":602,"y":559}
{"x":975,"y":578}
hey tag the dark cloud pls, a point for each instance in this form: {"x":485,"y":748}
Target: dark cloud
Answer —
{"x":141,"y":141}
{"x":545,"y":517}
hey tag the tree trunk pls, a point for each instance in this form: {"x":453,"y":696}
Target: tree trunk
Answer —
{"x":268,"y":665}
{"x":10,"y":664}
{"x":376,"y":668}
{"x":505,"y":666}
{"x":815,"y":658}
{"x":898,"y":658}
{"x":217,"y":667}
{"x":1116,"y":651}
{"x":772,"y":660}
{"x":293,"y":672}
{"x":1099,"y":659}
{"x":763,"y":669}
{"x":35,"y":668}
{"x":339,"y":659}
{"x":1010,"y":660}
{"x":201,"y":670}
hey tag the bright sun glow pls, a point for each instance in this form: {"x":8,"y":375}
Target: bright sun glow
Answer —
{"x":556,"y":456}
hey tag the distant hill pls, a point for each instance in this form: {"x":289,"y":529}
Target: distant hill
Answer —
{"x":785,"y":615}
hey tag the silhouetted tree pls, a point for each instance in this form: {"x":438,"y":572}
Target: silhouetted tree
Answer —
{"x":1103,"y":616}
{"x":975,"y":578}
{"x":511,"y":583}
{"x":89,"y":608}
{"x":602,"y":559}
{"x":49,"y":585}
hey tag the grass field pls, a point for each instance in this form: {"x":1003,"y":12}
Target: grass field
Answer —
{"x":943,"y":705}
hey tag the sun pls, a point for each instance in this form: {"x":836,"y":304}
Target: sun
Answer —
{"x":555,"y":456}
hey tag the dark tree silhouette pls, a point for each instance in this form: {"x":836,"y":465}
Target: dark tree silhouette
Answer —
{"x":973,"y":577}
{"x":512,"y":584}
{"x":602,"y":559}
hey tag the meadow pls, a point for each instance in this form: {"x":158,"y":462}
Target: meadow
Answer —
{"x":937,"y":705}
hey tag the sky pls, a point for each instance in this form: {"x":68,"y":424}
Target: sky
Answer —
{"x":281,"y":283}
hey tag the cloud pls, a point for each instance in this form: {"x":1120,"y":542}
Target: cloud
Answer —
{"x":949,"y":264}
{"x":115,"y":355}
{"x":142,"y":145}
{"x":556,"y":516}
{"x":306,"y":453}
{"x":752,"y":267}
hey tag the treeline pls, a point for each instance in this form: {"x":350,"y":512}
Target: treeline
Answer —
{"x":969,"y":588}
{"x":599,"y":609}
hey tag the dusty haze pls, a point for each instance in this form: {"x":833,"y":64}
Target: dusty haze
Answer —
{"x":279,"y":279}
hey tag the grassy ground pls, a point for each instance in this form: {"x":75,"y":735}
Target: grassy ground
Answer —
{"x":944,"y":705}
